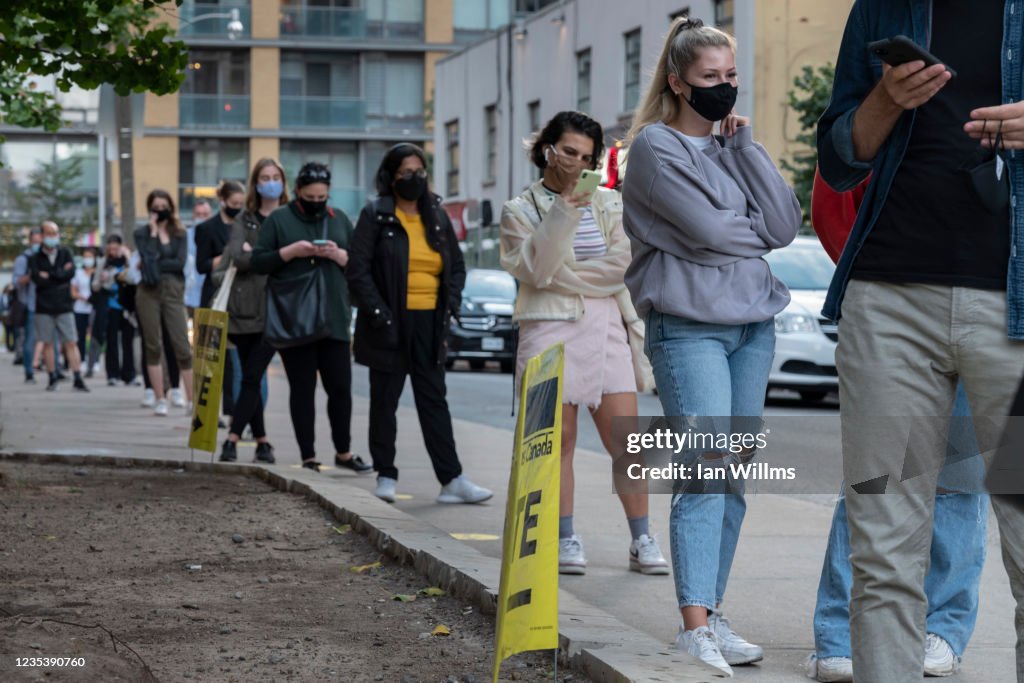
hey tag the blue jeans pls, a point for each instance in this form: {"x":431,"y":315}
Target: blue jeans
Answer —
{"x":29,"y":346}
{"x":957,"y":554}
{"x":236,"y":378}
{"x":719,"y":371}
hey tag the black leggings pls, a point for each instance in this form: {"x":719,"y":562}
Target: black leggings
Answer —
{"x":332,"y":358}
{"x":120,"y":353}
{"x":255,"y":355}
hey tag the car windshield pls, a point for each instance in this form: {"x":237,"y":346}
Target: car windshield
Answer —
{"x":490,"y":285}
{"x":802,"y":266}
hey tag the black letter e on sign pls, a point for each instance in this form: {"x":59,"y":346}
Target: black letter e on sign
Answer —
{"x":527,"y":547}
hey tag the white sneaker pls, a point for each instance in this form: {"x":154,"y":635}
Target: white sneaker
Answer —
{"x":939,"y":659}
{"x":701,"y":643}
{"x":386,"y":489}
{"x":96,"y":369}
{"x":462,"y":490}
{"x":160,"y":409}
{"x":177,"y":397}
{"x":645,"y":556}
{"x":188,"y":409}
{"x":829,"y":669}
{"x":148,"y":398}
{"x":735,"y":649}
{"x":571,"y":559}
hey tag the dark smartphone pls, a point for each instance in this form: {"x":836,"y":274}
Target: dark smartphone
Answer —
{"x":901,"y":49}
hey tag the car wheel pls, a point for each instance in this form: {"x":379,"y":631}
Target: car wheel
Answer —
{"x":508,"y":366}
{"x":477,"y":364}
{"x":813,"y":396}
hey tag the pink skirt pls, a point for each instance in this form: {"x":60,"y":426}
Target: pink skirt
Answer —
{"x":598,"y":360}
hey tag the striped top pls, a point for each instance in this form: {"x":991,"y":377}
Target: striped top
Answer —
{"x":588,"y":242}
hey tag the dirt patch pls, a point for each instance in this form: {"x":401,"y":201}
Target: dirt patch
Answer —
{"x":185,"y":576}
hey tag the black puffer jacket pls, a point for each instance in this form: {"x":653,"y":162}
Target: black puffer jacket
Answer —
{"x":378,"y":279}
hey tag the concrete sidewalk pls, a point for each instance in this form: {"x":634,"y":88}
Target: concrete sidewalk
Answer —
{"x":772,"y":588}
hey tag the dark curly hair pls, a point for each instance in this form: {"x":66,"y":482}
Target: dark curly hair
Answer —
{"x":567,"y":122}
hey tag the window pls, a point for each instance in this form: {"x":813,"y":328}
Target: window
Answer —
{"x":583,"y":80}
{"x":204,"y":162}
{"x":491,"y":163}
{"x":532,"y":5}
{"x":321,"y":90}
{"x":533,"y":116}
{"x":393,"y":89}
{"x":632,"y":82}
{"x":342,"y":158}
{"x":725,"y":15}
{"x":451,"y":130}
{"x":396,"y":19}
{"x":475,"y":18}
{"x":685,"y":12}
{"x":220,"y":72}
{"x":77,"y":201}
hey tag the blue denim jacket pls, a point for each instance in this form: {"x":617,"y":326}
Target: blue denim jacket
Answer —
{"x":857,"y":72}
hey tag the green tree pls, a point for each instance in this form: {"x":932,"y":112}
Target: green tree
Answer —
{"x":83,"y":43}
{"x":52,"y":193}
{"x":809,"y":99}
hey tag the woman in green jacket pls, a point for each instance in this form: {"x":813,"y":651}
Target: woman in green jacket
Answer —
{"x":285,"y":250}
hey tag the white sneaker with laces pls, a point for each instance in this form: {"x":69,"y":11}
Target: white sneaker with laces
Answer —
{"x":939,"y":659}
{"x":386,"y":489}
{"x":160,"y":409}
{"x":829,"y":669}
{"x":177,"y":397}
{"x":735,"y":649}
{"x":571,"y":559}
{"x":702,"y":644}
{"x":645,"y":556}
{"x":148,"y":398}
{"x":462,"y":490}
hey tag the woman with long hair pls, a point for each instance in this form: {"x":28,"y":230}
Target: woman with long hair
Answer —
{"x":407,"y":273}
{"x":160,"y":297}
{"x":701,"y":212}
{"x":569,"y":254}
{"x":247,"y":306}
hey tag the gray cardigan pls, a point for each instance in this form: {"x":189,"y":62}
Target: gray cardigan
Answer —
{"x":699,"y":223}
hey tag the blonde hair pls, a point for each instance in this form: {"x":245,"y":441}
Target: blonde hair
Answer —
{"x":683,"y":44}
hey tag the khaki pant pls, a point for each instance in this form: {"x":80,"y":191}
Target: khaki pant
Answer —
{"x":164,"y":303}
{"x":901,"y":350}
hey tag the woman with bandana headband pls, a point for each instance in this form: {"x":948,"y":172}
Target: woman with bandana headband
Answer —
{"x":407,"y":272}
{"x":296,"y":238}
{"x":569,"y":255}
{"x":701,"y":212}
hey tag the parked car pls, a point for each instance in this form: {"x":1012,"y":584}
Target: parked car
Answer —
{"x":805,"y":347}
{"x":483,"y":330}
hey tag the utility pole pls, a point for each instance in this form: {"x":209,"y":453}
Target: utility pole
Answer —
{"x":126,"y":165}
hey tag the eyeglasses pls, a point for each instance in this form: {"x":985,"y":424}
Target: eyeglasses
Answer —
{"x":420,"y":173}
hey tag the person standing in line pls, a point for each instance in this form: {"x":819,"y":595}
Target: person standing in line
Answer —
{"x":285,"y":250}
{"x":81,"y":294}
{"x":928,"y":294}
{"x":211,"y":237}
{"x":98,"y":322}
{"x":26,"y":289}
{"x":120,"y":356}
{"x":701,"y":213}
{"x":53,"y":268}
{"x":194,"y":280}
{"x":569,"y":255}
{"x":407,"y":273}
{"x":160,"y":297}
{"x":247,"y":308}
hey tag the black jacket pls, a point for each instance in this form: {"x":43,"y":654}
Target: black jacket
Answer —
{"x":378,"y":278}
{"x":211,"y":237}
{"x":53,"y":292}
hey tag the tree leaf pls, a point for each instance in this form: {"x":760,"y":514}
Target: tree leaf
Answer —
{"x":441,"y":630}
{"x":400,"y":597}
{"x":432,"y":592}
{"x":364,"y":567}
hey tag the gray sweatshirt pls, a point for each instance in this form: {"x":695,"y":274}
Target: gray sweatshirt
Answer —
{"x":699,"y":223}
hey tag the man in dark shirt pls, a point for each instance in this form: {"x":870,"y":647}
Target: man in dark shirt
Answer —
{"x":931,"y":291}
{"x":52,"y":269}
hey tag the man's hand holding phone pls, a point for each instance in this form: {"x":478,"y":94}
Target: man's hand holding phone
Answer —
{"x":910,"y":85}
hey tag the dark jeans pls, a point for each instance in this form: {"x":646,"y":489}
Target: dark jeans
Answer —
{"x":120,"y":359}
{"x":255,"y":355}
{"x":429,"y":390}
{"x":333,"y":359}
{"x":82,"y":327}
{"x":99,"y":334}
{"x":227,"y":393}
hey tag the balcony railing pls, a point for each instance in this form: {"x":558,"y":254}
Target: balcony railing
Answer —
{"x":214,"y":111}
{"x":348,"y":22}
{"x":188,"y":26}
{"x":323,"y":112}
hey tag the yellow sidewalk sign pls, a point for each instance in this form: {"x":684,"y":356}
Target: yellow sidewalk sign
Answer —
{"x":208,"y":351}
{"x":528,"y":593}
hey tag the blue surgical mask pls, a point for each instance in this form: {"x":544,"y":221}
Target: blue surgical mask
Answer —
{"x":51,"y":242}
{"x":270,"y":189}
{"x":35,"y":248}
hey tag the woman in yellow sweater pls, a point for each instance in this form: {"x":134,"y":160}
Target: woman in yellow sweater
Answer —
{"x":406,"y":272}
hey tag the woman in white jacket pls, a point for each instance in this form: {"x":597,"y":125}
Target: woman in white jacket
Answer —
{"x":569,"y":254}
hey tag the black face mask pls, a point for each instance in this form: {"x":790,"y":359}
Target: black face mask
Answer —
{"x":231,"y":213}
{"x":714,"y":103}
{"x":412,"y":188}
{"x":163,"y":215}
{"x":311,"y":208}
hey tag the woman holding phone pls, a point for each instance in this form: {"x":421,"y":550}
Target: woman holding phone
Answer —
{"x":563,"y":242}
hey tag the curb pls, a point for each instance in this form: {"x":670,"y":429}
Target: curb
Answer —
{"x":591,"y":641}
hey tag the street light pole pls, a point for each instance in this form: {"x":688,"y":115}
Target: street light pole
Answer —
{"x":126,"y":164}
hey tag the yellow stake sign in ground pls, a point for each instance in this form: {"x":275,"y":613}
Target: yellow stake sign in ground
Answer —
{"x":528,"y":594}
{"x":211,"y":343}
